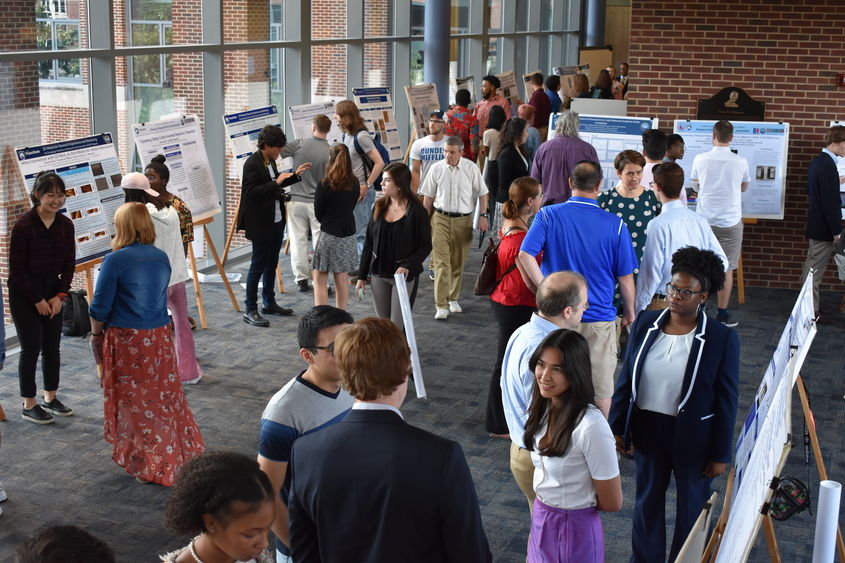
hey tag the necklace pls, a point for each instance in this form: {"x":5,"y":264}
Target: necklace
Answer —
{"x":193,"y":551}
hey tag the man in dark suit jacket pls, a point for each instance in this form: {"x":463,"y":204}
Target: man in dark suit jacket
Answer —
{"x":262,"y":216}
{"x":373,"y":488}
{"x":824,"y":214}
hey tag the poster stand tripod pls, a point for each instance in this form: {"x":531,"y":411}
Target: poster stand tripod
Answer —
{"x":205,"y":222}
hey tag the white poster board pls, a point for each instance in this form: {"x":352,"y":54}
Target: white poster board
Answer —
{"x":609,"y":135}
{"x":526,"y":84}
{"x":467,"y":83}
{"x":180,"y":141}
{"x":376,"y":107}
{"x":302,"y":118}
{"x":242,"y":129}
{"x":91,"y":171}
{"x":422,"y":99}
{"x":840,"y":166}
{"x":508,"y":87}
{"x":762,"y":144}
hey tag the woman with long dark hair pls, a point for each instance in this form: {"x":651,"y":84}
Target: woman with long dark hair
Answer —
{"x":512,"y":302}
{"x":603,"y":88}
{"x":42,"y":256}
{"x":334,"y":205}
{"x":398,"y":240}
{"x":146,"y":416}
{"x":490,"y":149}
{"x":576,"y":473}
{"x":675,"y":403}
{"x":512,"y":161}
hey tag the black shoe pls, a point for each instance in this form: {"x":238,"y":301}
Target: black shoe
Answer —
{"x":37,"y":415}
{"x":274,"y":309}
{"x":303,"y":285}
{"x":727,"y":319}
{"x":56,"y":408}
{"x":253,"y":318}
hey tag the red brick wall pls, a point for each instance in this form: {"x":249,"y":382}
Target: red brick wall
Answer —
{"x":784,"y":52}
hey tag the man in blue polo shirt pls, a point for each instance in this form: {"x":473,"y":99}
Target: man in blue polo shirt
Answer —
{"x":580,"y":236}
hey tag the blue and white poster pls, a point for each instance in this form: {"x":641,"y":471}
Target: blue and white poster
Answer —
{"x":376,"y":107}
{"x":242,"y":130}
{"x":762,"y":144}
{"x":91,"y":172}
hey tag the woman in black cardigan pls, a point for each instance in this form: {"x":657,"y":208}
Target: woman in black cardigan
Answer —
{"x":398,"y":240}
{"x":512,"y":161}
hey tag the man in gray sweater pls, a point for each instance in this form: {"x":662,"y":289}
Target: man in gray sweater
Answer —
{"x":300,"y":209}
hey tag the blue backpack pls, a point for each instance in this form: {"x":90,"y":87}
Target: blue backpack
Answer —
{"x":365,"y":158}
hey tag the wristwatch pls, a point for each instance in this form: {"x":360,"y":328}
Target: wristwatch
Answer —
{"x":485,"y":215}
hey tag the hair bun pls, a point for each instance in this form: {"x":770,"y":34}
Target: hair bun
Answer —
{"x":159,"y":158}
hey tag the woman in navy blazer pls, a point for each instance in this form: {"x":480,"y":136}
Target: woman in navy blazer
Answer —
{"x":675,"y":403}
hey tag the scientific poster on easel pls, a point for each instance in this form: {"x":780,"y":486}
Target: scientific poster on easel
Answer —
{"x":422,"y":99}
{"x":840,"y":166}
{"x":302,"y":118}
{"x":507,"y":89}
{"x":609,"y":135}
{"x":526,"y":84}
{"x":376,"y":107}
{"x":242,"y":131}
{"x":467,"y":83}
{"x":762,"y":144}
{"x":180,"y":141}
{"x":91,"y":171}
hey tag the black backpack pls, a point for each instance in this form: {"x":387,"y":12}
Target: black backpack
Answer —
{"x":75,"y":320}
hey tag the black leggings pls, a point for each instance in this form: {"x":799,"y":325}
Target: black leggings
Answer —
{"x":38,"y":334}
{"x":508,"y":318}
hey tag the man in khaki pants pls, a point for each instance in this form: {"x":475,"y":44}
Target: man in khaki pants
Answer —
{"x":450,"y":191}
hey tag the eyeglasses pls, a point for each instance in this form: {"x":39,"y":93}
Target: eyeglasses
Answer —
{"x":585,"y":306}
{"x":329,"y":348}
{"x":684,"y":294}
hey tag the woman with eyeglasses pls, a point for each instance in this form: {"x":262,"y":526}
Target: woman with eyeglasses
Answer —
{"x":675,"y":402}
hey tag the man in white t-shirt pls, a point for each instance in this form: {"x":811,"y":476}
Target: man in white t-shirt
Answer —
{"x":428,"y":150}
{"x":720,"y":176}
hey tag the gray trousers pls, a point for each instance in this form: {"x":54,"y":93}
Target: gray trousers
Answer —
{"x":818,"y":256}
{"x":386,"y":298}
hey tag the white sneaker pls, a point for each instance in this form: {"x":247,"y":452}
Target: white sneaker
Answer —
{"x":441,"y":314}
{"x":3,"y":495}
{"x":454,"y":307}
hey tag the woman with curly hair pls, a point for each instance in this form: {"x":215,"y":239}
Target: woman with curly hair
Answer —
{"x":226,"y":502}
{"x":675,"y":402}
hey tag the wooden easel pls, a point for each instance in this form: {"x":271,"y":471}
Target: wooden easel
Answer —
{"x":712,"y":547}
{"x":205,"y":222}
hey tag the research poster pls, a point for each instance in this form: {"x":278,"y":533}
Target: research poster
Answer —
{"x":762,"y":144}
{"x":422,"y":99}
{"x":91,"y":172}
{"x":609,"y":135}
{"x":180,"y":141}
{"x":508,"y":87}
{"x":302,"y":118}
{"x":466,"y":83}
{"x":840,"y":165}
{"x":376,"y":107}
{"x":526,"y":84}
{"x":242,"y":130}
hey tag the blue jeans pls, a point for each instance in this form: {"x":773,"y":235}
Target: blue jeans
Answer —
{"x":265,"y":258}
{"x":362,"y":212}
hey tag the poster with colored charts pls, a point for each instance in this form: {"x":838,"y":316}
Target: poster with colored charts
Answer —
{"x":376,"y":107}
{"x":762,"y":144}
{"x":609,"y":135}
{"x":422,"y":99}
{"x":91,"y":173}
{"x":180,"y":140}
{"x":242,"y":129}
{"x":302,"y":119}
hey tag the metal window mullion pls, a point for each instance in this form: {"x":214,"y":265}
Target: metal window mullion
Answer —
{"x":354,"y":51}
{"x":102,"y":81}
{"x":402,"y":68}
{"x":507,"y":53}
{"x":296,"y":59}
{"x":532,"y":52}
{"x":214,"y":107}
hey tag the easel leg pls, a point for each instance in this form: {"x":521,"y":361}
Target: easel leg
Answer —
{"x":279,"y":281}
{"x":2,"y":413}
{"x":740,"y":282}
{"x":89,"y":283}
{"x":712,"y":548}
{"x":771,"y":540}
{"x":817,"y":452}
{"x":220,"y":269}
{"x":197,"y":290}
{"x":231,"y":234}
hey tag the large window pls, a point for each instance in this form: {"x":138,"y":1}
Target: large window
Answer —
{"x":151,"y":76}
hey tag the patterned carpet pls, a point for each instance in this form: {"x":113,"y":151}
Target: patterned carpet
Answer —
{"x":62,"y":473}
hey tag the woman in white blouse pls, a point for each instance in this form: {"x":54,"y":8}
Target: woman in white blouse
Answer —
{"x":575,"y":466}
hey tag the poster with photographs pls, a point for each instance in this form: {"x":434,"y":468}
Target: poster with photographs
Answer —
{"x":466,"y":83}
{"x":840,"y":166}
{"x":763,"y":144}
{"x":180,"y":141}
{"x":422,"y":99}
{"x":242,"y":130}
{"x":508,"y":87}
{"x":91,"y":172}
{"x":376,"y":107}
{"x":526,"y":83}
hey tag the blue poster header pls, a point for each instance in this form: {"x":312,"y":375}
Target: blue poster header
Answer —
{"x":608,"y":124}
{"x":250,"y":114}
{"x":63,"y":146}
{"x":740,"y":127}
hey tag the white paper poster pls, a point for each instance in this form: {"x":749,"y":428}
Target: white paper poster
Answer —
{"x":508,"y":87}
{"x":609,"y":135}
{"x":376,"y":107}
{"x":242,"y":130}
{"x":526,"y":84}
{"x":91,"y":172}
{"x":410,"y":335}
{"x":422,"y":99}
{"x":180,"y":141}
{"x":302,"y":118}
{"x":762,"y":144}
{"x":466,"y":83}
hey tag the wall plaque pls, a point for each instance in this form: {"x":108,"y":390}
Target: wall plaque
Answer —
{"x":731,"y":103}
